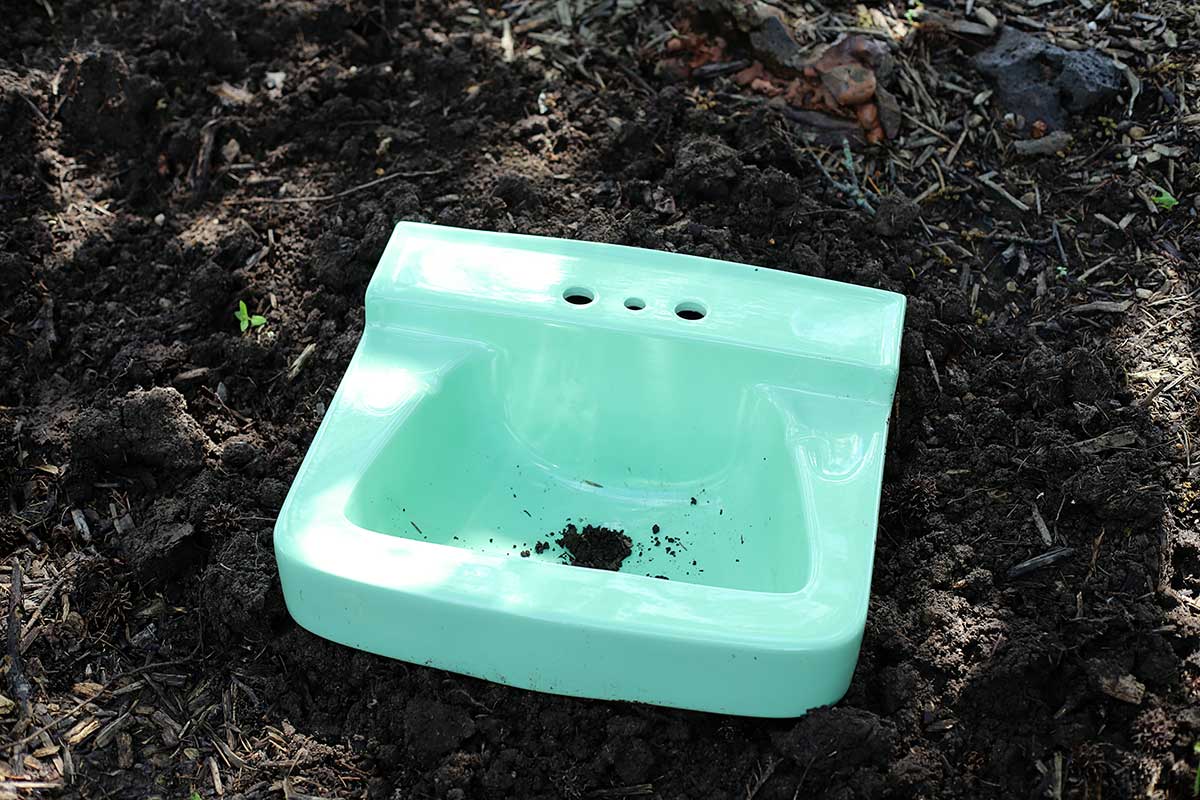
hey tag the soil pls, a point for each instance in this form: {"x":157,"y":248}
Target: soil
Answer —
{"x":595,"y":546}
{"x":153,"y":152}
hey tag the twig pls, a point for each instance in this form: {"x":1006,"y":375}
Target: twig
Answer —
{"x":851,"y":190}
{"x":633,"y":790}
{"x":1162,"y":387}
{"x":987,"y":181}
{"x":1058,"y":241}
{"x":925,"y":127}
{"x":47,"y":596}
{"x":1043,"y":530}
{"x":16,"y":672}
{"x":1037,"y":562}
{"x":199,"y":173}
{"x":298,"y":364}
{"x":36,"y":110}
{"x":325,"y":198}
{"x":759,"y":777}
{"x":70,"y":712}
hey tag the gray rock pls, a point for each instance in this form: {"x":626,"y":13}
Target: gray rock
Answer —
{"x":1088,"y":79}
{"x":1036,"y":80}
{"x":773,"y":44}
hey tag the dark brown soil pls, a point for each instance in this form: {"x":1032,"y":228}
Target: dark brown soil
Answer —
{"x":595,"y":547}
{"x":148,"y":443}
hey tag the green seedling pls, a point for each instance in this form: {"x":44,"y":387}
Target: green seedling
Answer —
{"x":1165,"y":200}
{"x":247,"y":320}
{"x":1196,"y":784}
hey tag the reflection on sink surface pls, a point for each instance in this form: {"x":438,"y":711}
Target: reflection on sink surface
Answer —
{"x":505,"y":451}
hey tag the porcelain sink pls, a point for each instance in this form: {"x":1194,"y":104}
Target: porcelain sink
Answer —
{"x":730,"y":420}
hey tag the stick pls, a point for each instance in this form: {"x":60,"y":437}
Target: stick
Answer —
{"x":16,"y":672}
{"x":851,"y":190}
{"x":1043,"y":530}
{"x":987,"y":181}
{"x":301,"y":359}
{"x":1037,"y":562}
{"x":325,"y":198}
{"x":71,"y":711}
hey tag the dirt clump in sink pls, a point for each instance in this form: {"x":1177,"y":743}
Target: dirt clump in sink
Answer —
{"x":595,"y":547}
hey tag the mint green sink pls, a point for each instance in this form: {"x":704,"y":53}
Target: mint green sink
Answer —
{"x":506,"y":385}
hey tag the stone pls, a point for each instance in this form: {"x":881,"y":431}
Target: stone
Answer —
{"x":1040,"y":82}
{"x":773,"y":44}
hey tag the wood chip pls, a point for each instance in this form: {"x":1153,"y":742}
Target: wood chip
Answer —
{"x":1122,"y":437}
{"x":987,"y":18}
{"x":1043,"y":530}
{"x":298,"y":364}
{"x":1037,"y":562}
{"x":105,"y":737}
{"x":80,"y":522}
{"x":124,"y":750}
{"x":1125,"y":688}
{"x":216,"y":776}
{"x":1103,"y":307}
{"x":82,"y":730}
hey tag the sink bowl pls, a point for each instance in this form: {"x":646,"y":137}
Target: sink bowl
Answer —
{"x":730,"y":420}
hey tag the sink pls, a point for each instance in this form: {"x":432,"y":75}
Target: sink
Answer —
{"x":730,"y":420}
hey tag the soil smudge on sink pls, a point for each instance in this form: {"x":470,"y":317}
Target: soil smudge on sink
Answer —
{"x":595,"y":547}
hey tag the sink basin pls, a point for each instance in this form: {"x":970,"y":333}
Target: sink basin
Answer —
{"x":730,"y":420}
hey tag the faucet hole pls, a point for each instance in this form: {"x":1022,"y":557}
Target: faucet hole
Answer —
{"x":635,"y":303}
{"x":578,"y":296}
{"x":691,"y":310}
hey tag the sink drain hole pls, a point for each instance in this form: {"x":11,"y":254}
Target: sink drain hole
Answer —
{"x":691,"y":310}
{"x":578,"y":296}
{"x":635,"y":303}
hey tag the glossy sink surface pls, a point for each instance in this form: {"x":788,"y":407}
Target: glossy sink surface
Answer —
{"x":730,"y":420}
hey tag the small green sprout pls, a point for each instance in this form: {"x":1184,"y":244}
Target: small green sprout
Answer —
{"x":1061,"y":271}
{"x":1165,"y":200}
{"x":1196,"y":785}
{"x":247,"y":320}
{"x":195,"y":795}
